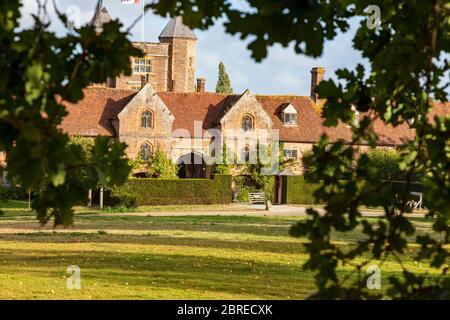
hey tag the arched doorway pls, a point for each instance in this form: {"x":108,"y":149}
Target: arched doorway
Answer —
{"x":192,"y":165}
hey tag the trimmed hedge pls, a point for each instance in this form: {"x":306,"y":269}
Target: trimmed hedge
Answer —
{"x":295,"y":190}
{"x":13,"y":193}
{"x":177,"y":191}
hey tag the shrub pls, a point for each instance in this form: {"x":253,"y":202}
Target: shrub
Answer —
{"x":242,"y":194}
{"x":177,"y":191}
{"x":13,"y":193}
{"x":296,"y":190}
{"x":120,"y":198}
{"x":157,"y":166}
{"x":385,"y":162}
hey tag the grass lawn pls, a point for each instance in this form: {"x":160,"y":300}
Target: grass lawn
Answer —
{"x":183,"y":257}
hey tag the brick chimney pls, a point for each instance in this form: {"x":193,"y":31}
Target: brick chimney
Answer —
{"x":317,"y":75}
{"x":201,"y":84}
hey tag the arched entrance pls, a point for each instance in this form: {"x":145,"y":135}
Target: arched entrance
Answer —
{"x":192,"y":165}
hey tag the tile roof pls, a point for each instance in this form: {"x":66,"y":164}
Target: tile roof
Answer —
{"x":197,"y":106}
{"x":177,"y":29}
{"x":92,"y":115}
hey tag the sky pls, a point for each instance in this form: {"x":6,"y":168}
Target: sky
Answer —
{"x":282,"y":72}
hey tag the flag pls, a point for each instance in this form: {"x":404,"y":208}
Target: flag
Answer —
{"x":131,"y":1}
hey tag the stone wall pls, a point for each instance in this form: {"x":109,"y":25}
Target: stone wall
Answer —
{"x":129,"y":124}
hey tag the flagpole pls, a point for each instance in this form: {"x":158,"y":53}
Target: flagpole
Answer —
{"x":143,"y":21}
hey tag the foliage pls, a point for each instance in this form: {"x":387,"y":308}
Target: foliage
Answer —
{"x":305,"y":24}
{"x":265,"y":180}
{"x":386,"y":164}
{"x":121,"y":198}
{"x":225,"y":161}
{"x":13,"y":192}
{"x":39,"y":71}
{"x":85,"y":144}
{"x":223,"y":82}
{"x":157,"y":166}
{"x":178,"y":191}
{"x":298,"y":191}
{"x":399,"y":88}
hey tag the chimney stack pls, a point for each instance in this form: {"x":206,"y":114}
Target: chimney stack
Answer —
{"x":317,"y":75}
{"x":201,"y":84}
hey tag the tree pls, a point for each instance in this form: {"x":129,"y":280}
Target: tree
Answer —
{"x":39,"y":72}
{"x":162,"y":167}
{"x":407,"y":53}
{"x":386,"y":163}
{"x":223,"y":82}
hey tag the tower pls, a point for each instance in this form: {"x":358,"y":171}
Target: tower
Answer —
{"x":101,"y":17}
{"x":182,"y":55}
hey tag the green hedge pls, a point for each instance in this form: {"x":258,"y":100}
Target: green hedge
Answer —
{"x":295,"y":190}
{"x":177,"y":191}
{"x":13,"y":193}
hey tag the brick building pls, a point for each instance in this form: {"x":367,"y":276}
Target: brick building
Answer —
{"x":169,"y":65}
{"x":161,"y":107}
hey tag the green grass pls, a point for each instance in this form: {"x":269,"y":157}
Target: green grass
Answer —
{"x":183,"y":257}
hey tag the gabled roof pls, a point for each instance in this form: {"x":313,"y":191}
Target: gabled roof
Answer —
{"x":177,"y":29}
{"x":93,"y":115}
{"x":197,"y":106}
{"x":101,"y":17}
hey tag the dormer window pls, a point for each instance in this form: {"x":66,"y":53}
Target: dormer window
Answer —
{"x":289,"y":115}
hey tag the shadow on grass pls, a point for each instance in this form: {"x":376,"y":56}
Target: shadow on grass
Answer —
{"x":293,"y":247}
{"x":163,"y":271}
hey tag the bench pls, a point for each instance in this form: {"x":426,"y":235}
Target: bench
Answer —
{"x":256,"y":197}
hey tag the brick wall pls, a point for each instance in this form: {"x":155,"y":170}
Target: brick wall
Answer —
{"x":129,"y":124}
{"x":158,"y":53}
{"x":182,"y":64}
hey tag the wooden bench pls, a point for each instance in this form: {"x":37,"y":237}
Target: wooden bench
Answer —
{"x":256,"y":197}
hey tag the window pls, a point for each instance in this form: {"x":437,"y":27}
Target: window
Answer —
{"x":145,"y":152}
{"x":247,"y":123}
{"x":141,"y":65}
{"x":290,"y":118}
{"x":291,"y":154}
{"x":147,"y":119}
{"x":289,"y":115}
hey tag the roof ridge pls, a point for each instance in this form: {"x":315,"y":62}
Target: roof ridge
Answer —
{"x":94,"y":88}
{"x":198,"y":93}
{"x":281,"y":96}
